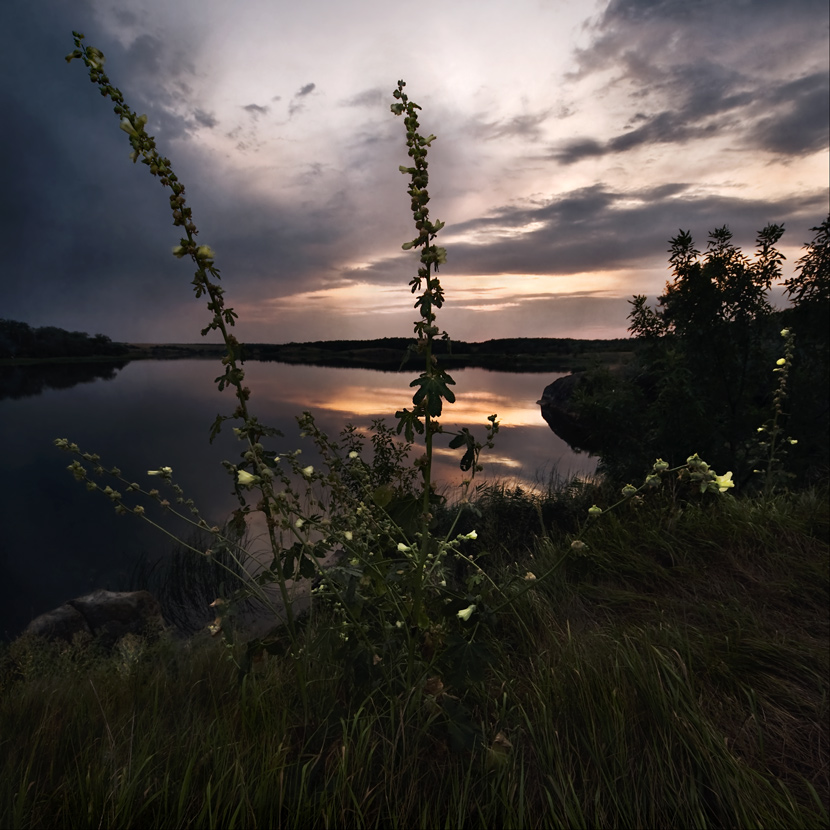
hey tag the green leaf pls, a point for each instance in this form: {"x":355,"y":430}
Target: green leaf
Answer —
{"x":307,"y":568}
{"x":382,"y":495}
{"x":432,"y":390}
{"x":216,"y":427}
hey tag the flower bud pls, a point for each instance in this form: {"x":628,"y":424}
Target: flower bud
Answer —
{"x":246,"y":479}
{"x":629,"y":490}
{"x":660,"y":466}
{"x":578,"y":544}
{"x":594,"y":511}
{"x":466,"y":613}
{"x":127,"y":126}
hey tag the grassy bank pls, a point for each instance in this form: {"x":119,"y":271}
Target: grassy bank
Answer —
{"x":672,"y":674}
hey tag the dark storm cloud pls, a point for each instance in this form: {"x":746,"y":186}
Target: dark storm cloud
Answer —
{"x":797,"y":126}
{"x":595,"y":229}
{"x":305,"y":90}
{"x":801,"y":125}
{"x":764,"y":89}
{"x":85,"y":236}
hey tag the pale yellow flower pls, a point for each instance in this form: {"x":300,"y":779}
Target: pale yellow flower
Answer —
{"x":724,"y":482}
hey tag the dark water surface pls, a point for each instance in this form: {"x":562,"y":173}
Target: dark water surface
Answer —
{"x":58,"y":541}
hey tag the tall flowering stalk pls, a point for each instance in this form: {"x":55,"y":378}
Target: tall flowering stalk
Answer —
{"x":771,"y":441}
{"x":205,"y":283}
{"x":434,"y":382}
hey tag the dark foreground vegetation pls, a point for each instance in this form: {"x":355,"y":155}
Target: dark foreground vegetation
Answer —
{"x":718,"y":369}
{"x":674,"y":673}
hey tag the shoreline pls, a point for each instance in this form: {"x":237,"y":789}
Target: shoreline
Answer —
{"x":386,"y":354}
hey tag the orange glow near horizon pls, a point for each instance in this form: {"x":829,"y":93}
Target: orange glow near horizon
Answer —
{"x":476,"y":293}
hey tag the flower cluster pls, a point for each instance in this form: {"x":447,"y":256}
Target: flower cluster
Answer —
{"x":770,"y":441}
{"x":695,"y":470}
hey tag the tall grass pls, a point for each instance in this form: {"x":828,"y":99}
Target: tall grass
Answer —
{"x":677,"y":677}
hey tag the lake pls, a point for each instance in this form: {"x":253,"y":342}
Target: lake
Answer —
{"x":60,"y":541}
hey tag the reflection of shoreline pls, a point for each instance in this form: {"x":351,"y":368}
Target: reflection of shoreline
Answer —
{"x":390,"y":354}
{"x":26,"y":381}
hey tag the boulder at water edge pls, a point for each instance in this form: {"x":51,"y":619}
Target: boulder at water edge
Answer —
{"x":105,"y":615}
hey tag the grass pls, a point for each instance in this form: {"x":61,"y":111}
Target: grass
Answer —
{"x":675,"y":674}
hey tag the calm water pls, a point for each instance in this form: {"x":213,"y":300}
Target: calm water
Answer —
{"x":59,"y":541}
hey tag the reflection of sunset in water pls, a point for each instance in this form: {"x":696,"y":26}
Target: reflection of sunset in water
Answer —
{"x":526,"y":450}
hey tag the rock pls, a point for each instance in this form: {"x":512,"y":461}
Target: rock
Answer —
{"x":561,"y":415}
{"x":105,"y":615}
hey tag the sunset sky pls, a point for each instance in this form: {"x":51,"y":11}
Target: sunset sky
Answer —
{"x":574,"y":139}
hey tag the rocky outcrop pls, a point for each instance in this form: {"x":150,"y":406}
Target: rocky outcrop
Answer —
{"x":104,"y":615}
{"x":561,"y":414}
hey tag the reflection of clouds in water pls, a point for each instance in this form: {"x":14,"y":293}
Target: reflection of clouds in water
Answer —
{"x":158,"y":413}
{"x":526,"y":450}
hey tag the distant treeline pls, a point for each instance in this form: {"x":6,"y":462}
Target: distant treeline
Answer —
{"x":507,"y":346}
{"x":512,"y":354}
{"x":20,"y":340}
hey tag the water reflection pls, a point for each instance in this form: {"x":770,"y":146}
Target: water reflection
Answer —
{"x":60,"y":541}
{"x":26,"y":381}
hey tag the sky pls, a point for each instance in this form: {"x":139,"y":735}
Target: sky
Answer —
{"x":574,"y":139}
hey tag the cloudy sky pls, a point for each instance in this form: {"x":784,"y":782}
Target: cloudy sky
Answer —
{"x":574,"y":139}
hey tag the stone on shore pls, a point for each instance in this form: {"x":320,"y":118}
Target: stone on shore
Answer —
{"x":106,"y":616}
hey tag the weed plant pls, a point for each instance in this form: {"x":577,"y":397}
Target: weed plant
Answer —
{"x":497,"y":661}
